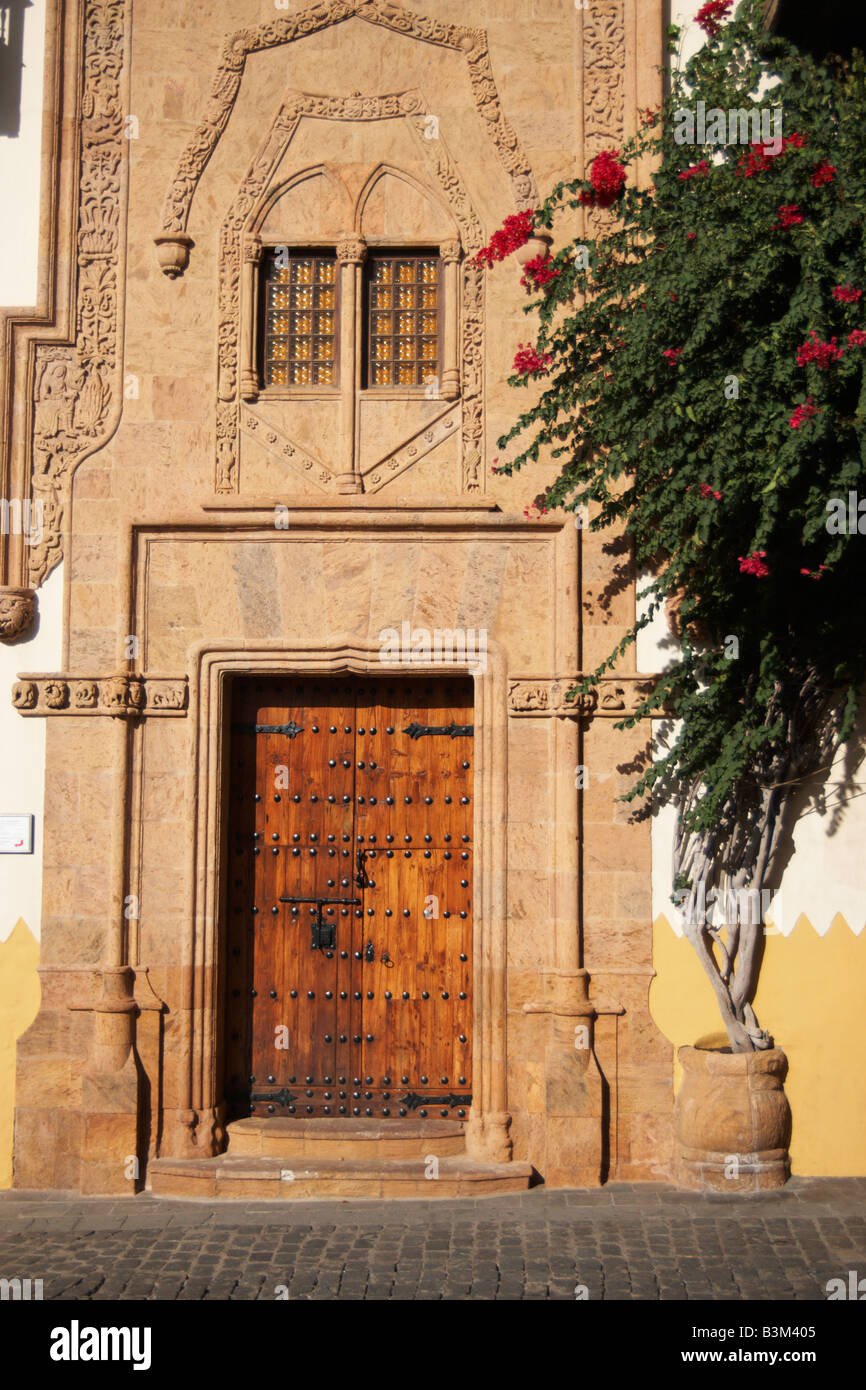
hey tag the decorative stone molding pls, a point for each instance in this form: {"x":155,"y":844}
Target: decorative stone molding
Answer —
{"x":236,"y":297}
{"x":286,"y":450}
{"x":17,"y":612}
{"x":604,"y":69}
{"x":125,"y":695}
{"x":77,"y":395}
{"x":287,"y":29}
{"x":427,"y":438}
{"x":615,"y":697}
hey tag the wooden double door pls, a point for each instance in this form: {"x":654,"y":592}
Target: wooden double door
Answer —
{"x":349,"y":897}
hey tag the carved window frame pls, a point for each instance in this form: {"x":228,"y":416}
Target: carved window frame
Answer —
{"x":352,"y":319}
{"x":253,"y":334}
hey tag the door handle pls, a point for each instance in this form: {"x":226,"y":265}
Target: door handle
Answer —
{"x":369,"y":952}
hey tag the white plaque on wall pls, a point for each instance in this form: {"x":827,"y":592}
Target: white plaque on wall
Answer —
{"x":16,"y":834}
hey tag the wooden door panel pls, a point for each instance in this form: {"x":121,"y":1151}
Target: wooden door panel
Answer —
{"x":325,"y":769}
{"x":417,"y":1026}
{"x":411,"y":786}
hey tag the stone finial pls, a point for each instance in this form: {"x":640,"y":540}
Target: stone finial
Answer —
{"x":172,"y":251}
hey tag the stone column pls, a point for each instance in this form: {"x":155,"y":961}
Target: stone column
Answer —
{"x":450,"y":384}
{"x":351,"y":251}
{"x":250,"y":383}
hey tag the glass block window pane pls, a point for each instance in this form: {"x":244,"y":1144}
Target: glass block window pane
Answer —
{"x":402,"y":320}
{"x":300,"y":319}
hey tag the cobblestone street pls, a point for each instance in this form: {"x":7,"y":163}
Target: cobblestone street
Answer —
{"x":624,"y":1241}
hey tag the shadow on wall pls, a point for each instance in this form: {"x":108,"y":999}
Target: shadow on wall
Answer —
{"x":11,"y":64}
{"x":19,"y":1003}
{"x":810,"y":997}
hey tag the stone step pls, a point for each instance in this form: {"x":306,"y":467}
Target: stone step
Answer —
{"x":343,"y":1138}
{"x":298,"y":1176}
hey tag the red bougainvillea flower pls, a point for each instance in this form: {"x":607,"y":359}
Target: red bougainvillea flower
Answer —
{"x":754,"y":564}
{"x":709,"y":16}
{"x":789,"y":216}
{"x":691,"y":236}
{"x":814,"y":574}
{"x":528,"y":362}
{"x":762,"y":157}
{"x":607,"y":177}
{"x":514,"y":232}
{"x":856,"y":338}
{"x":803,"y":412}
{"x":757,"y":161}
{"x":537,"y":272}
{"x":696,"y":171}
{"x":823,"y":173}
{"x":822,"y":354}
{"x":846,"y":294}
{"x":672,"y":355}
{"x":707,"y":491}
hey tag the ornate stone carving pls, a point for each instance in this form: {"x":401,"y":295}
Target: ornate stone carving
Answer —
{"x":288,"y":453}
{"x":17,"y":611}
{"x":615,"y":697}
{"x":409,"y":105}
{"x":286,"y":29}
{"x":351,"y":250}
{"x":125,"y":695}
{"x":604,"y":69}
{"x":423,"y":442}
{"x":77,"y":395}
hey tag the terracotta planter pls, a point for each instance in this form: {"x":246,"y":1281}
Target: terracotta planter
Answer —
{"x":733,"y":1120}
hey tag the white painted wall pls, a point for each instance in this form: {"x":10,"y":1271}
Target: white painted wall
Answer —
{"x":22,"y":741}
{"x":20,"y":172}
{"x":826,"y":874}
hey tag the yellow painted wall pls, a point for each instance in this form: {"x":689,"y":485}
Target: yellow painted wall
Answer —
{"x":19,"y":1001}
{"x":812,"y":998}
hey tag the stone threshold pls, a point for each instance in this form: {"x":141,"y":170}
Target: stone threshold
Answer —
{"x":295,"y":1176}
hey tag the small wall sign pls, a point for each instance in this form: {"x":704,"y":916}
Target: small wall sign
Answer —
{"x":16,"y":834}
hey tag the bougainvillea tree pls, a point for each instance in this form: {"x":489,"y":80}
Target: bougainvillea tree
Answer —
{"x":698,"y":372}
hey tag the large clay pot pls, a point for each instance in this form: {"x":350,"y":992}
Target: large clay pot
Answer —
{"x":733,"y":1120}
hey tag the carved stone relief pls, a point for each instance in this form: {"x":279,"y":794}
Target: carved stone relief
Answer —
{"x":77,"y":388}
{"x":615,"y":697}
{"x":286,"y":29}
{"x":126,"y":695}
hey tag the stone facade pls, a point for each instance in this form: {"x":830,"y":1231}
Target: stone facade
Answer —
{"x":211,"y":526}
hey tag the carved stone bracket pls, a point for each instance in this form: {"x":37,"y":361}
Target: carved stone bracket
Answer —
{"x":124,"y":695}
{"x":17,"y":611}
{"x":615,"y":697}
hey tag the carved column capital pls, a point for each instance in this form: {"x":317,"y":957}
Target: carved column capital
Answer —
{"x":17,"y":612}
{"x":450,"y":251}
{"x":351,"y":250}
{"x":252,"y":249}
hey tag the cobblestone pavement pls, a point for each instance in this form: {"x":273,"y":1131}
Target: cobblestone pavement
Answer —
{"x":625,"y":1241}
